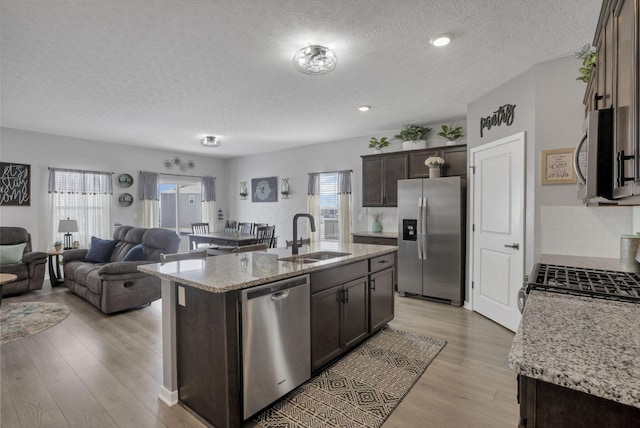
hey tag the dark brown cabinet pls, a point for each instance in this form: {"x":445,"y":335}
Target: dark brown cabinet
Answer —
{"x":339,"y":320}
{"x":615,"y":83}
{"x":382,"y":172}
{"x":381,"y":298}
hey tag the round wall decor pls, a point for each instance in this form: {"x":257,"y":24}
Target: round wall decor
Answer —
{"x":125,"y":180}
{"x":125,"y":199}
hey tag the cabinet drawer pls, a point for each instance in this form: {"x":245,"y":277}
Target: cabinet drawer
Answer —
{"x":381,"y":262}
{"x":339,"y":275}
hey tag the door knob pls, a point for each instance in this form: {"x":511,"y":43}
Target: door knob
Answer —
{"x":514,"y":246}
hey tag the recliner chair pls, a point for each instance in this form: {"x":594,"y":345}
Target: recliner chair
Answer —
{"x":30,"y":271}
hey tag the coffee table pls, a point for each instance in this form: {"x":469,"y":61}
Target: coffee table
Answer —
{"x":54,"y":272}
{"x":5,"y":278}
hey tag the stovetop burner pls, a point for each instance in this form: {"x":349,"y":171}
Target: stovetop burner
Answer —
{"x":605,"y":284}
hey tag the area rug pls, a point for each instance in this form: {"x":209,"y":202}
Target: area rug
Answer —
{"x":361,"y":389}
{"x":26,"y":318}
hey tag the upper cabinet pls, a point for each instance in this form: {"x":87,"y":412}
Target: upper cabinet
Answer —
{"x":380,"y":173}
{"x":615,"y":83}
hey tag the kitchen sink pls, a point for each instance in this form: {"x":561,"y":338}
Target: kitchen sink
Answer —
{"x":313,"y":257}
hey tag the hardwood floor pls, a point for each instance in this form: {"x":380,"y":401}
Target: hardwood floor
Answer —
{"x":94,"y":370}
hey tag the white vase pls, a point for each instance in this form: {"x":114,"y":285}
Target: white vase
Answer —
{"x":434,"y":171}
{"x":414,"y":145}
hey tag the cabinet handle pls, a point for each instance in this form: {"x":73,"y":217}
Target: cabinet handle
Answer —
{"x":373,"y":285}
{"x":620,"y":160}
{"x":596,"y":98}
{"x":346,"y":296}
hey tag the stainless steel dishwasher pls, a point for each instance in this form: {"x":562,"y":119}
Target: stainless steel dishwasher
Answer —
{"x":276,"y":344}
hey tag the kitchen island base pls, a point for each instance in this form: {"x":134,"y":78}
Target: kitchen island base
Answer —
{"x":543,"y":404}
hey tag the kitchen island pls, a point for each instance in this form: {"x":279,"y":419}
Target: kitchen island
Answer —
{"x":578,"y":361}
{"x":351,"y":298}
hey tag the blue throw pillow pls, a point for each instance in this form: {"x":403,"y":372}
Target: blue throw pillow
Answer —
{"x":11,"y":253}
{"x":100,"y":250}
{"x":136,"y":254}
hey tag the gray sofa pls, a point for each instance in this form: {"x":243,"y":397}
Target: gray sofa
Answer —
{"x":118,"y":285}
{"x":30,"y":271}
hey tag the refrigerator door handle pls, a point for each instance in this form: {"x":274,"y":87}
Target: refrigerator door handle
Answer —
{"x":419,"y":227}
{"x":424,"y":229}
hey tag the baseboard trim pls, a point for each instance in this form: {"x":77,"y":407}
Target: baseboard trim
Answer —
{"x":170,"y":398}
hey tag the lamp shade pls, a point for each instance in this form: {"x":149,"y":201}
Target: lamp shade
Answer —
{"x":68,"y":226}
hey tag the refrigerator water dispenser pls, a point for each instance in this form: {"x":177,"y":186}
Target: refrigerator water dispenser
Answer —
{"x":409,"y":230}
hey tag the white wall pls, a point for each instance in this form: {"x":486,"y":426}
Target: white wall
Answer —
{"x":45,"y":150}
{"x":549,"y":109}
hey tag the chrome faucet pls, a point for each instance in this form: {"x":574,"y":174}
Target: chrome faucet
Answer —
{"x":294,"y":247}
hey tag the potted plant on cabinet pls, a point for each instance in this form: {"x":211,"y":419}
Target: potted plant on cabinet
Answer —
{"x":451,"y":133}
{"x":57,"y":245}
{"x":378,"y":145}
{"x":413,"y":137}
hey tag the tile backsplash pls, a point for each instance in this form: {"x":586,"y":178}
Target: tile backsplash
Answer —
{"x":584,"y":231}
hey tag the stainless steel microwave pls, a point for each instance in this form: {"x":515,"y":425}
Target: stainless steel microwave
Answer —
{"x":593,"y":158}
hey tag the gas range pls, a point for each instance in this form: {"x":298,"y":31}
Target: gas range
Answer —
{"x":597,"y":283}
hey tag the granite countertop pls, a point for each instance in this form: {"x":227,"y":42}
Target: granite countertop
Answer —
{"x":586,"y":344}
{"x":393,"y":235}
{"x":220,"y":274}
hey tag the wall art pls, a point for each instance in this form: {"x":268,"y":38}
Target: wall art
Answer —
{"x":504,"y":114}
{"x":557,"y":166}
{"x":15,"y":184}
{"x":264,"y":189}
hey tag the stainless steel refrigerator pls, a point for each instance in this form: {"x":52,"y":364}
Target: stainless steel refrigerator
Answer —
{"x":431,"y":238}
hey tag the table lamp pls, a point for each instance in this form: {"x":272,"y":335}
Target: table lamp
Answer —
{"x":67,"y":226}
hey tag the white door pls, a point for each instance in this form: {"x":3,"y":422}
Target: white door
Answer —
{"x":497,"y":198}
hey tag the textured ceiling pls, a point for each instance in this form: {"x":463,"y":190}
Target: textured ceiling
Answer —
{"x":165,"y":73}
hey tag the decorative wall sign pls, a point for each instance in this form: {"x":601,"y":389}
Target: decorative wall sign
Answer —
{"x":15,"y":184}
{"x":557,"y":166}
{"x":503,"y":115}
{"x":264,"y":189}
{"x":177,"y":162}
{"x":125,"y":199}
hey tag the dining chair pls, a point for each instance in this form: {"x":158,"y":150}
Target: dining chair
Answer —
{"x":265,"y":235}
{"x":301,"y":242}
{"x":257,"y":225}
{"x":199,"y":228}
{"x":245,"y":227}
{"x":173,"y":257}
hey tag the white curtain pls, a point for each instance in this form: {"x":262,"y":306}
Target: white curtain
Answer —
{"x":344,"y":205}
{"x":149,"y":195}
{"x":313,"y":205}
{"x":84,"y":196}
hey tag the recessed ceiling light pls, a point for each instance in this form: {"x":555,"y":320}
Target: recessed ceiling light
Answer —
{"x":364,"y":108}
{"x":441,"y":40}
{"x":210,"y":141}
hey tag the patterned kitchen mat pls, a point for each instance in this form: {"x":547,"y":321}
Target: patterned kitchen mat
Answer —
{"x":361,"y":389}
{"x":26,"y":318}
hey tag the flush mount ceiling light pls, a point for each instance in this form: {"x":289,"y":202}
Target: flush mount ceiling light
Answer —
{"x":441,"y":40}
{"x":364,"y":108}
{"x":210,"y":141}
{"x":315,"y":59}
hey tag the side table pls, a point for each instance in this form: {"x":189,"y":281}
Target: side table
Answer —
{"x":54,"y":273}
{"x":4,"y":278}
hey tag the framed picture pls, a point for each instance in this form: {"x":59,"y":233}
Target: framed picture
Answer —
{"x":557,"y":166}
{"x":264,"y":189}
{"x":15,"y":184}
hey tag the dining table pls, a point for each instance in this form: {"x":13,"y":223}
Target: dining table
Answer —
{"x":222,"y":239}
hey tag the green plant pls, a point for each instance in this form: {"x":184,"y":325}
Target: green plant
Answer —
{"x":374,"y":143}
{"x":451,"y":133}
{"x":57,"y":243}
{"x":413,"y":133}
{"x":588,"y":57}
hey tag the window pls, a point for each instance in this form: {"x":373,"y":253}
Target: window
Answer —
{"x":329,"y":201}
{"x":329,"y":207}
{"x":84,"y":196}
